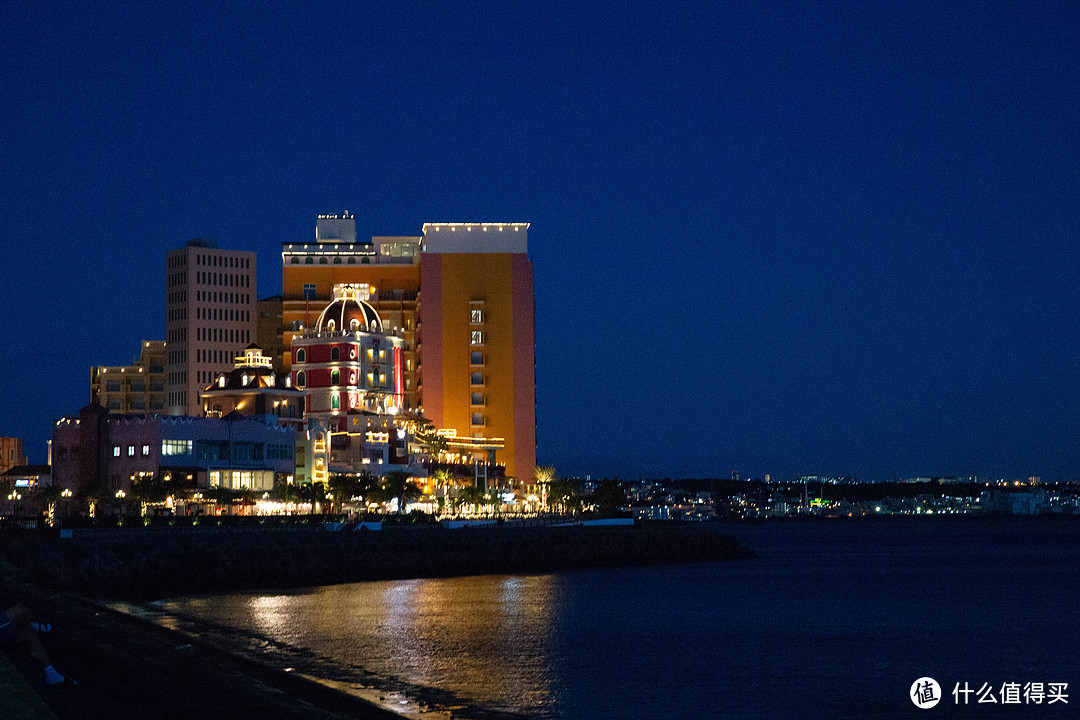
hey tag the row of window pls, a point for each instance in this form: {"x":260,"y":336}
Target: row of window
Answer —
{"x":130,"y":450}
{"x":223,"y":297}
{"x":223,"y":279}
{"x":218,"y":357}
{"x":323,"y":260}
{"x":113,"y":404}
{"x":223,"y":314}
{"x":134,"y":386}
{"x":223,"y":261}
{"x":230,"y":335}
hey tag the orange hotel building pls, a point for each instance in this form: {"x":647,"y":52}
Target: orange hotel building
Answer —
{"x":462,"y":296}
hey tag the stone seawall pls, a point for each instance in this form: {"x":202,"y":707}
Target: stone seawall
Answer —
{"x":143,"y":564}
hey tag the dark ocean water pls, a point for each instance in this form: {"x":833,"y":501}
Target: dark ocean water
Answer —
{"x":834,"y":620}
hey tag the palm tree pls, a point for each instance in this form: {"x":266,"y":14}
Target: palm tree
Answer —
{"x":147,"y":490}
{"x":472,"y":495}
{"x":397,"y":486}
{"x":565,"y":495}
{"x":343,"y":486}
{"x":437,"y":444}
{"x":48,"y":497}
{"x":544,"y":475}
{"x":314,"y":493}
{"x":609,"y":496}
{"x":368,"y":486}
{"x":443,"y":479}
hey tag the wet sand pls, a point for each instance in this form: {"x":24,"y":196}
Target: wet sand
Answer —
{"x":130,"y":669}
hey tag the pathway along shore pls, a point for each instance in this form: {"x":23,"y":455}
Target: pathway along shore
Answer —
{"x":130,"y":668}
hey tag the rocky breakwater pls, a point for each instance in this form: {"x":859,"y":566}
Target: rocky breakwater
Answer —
{"x":143,"y":564}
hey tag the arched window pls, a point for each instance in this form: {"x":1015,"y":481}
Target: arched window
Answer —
{"x":354,"y":325}
{"x":335,"y":377}
{"x":301,"y":379}
{"x":375,"y":377}
{"x":301,"y":356}
{"x":330,"y":325}
{"x":335,"y":353}
{"x":335,"y":401}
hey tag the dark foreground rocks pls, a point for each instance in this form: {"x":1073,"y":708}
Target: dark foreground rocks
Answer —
{"x":143,"y":564}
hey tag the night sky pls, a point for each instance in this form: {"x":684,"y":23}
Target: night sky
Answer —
{"x":775,"y":238}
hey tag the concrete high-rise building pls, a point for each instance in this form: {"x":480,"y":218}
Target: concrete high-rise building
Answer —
{"x":135,"y":388}
{"x":211,"y":316}
{"x":478,"y":336}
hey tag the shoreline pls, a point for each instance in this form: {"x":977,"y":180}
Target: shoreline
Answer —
{"x":130,"y":667}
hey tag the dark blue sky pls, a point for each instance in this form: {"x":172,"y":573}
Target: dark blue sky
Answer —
{"x":771,"y":237}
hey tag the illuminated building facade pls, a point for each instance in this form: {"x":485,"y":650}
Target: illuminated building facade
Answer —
{"x":135,"y":388}
{"x":254,"y":388}
{"x":388,"y":264}
{"x":96,"y":450}
{"x":478,"y":336}
{"x":211,"y":315}
{"x":347,"y":363}
{"x":350,"y":368}
{"x":461,"y":298}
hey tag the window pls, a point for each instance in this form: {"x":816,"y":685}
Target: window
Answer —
{"x":301,"y":379}
{"x":116,"y":451}
{"x":309,"y":289}
{"x":145,"y":450}
{"x":335,"y":376}
{"x":477,"y":358}
{"x":476,"y":337}
{"x":131,"y":451}
{"x":301,"y":356}
{"x":476,"y":315}
{"x":477,"y":419}
{"x":322,"y":261}
{"x":112,"y":386}
{"x":354,"y":325}
{"x":477,"y":378}
{"x":477,"y":398}
{"x":335,"y":401}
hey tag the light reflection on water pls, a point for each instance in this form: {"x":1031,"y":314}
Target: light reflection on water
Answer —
{"x":484,"y":638}
{"x":833,"y":620}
